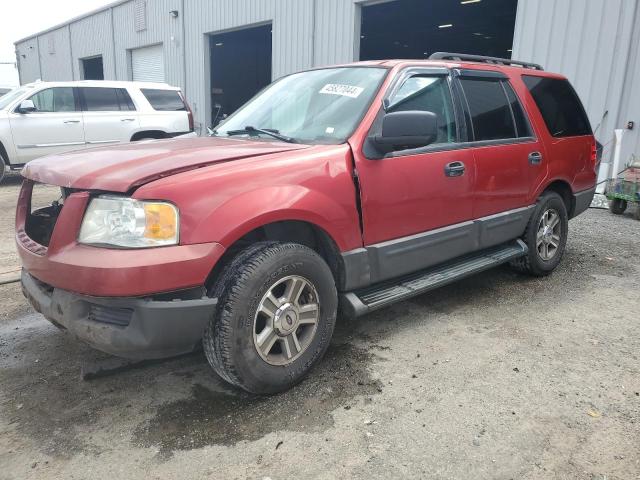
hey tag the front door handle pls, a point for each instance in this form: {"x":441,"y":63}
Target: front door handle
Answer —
{"x":535,"y":158}
{"x":127,"y":119}
{"x":454,"y":169}
{"x":72,"y":121}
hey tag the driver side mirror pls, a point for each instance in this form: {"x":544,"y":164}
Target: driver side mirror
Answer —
{"x":26,"y":106}
{"x":410,"y":129}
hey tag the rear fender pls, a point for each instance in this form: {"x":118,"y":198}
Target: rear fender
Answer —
{"x":540,"y":188}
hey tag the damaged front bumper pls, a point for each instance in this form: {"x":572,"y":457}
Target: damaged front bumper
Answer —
{"x":129,"y":327}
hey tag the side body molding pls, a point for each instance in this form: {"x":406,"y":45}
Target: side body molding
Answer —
{"x":400,"y":256}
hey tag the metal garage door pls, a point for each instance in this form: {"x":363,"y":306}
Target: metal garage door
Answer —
{"x":147,"y":64}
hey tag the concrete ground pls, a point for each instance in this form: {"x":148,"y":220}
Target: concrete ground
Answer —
{"x":500,"y":376}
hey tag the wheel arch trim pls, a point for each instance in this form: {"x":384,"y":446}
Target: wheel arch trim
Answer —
{"x":562,"y":187}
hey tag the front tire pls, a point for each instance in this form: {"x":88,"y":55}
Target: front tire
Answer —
{"x":545,"y":236}
{"x":3,"y":168}
{"x":617,"y":206}
{"x":277,"y":305}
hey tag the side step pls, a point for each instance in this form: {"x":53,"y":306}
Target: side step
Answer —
{"x":360,"y":302}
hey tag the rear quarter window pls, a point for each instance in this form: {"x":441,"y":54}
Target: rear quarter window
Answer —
{"x":164,"y":100}
{"x":559,"y":105}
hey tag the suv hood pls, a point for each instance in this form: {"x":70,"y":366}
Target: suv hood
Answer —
{"x":121,"y":168}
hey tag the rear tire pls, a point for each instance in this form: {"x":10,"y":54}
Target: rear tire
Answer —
{"x":545,"y":236}
{"x":276,"y":312}
{"x":617,"y":206}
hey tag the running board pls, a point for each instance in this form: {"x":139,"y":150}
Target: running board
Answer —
{"x":360,"y":302}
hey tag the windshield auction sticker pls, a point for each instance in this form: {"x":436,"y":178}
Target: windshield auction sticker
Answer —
{"x":342,"y":90}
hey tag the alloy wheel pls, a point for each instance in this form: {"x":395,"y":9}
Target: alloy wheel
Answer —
{"x":286,"y":320}
{"x":549,"y":234}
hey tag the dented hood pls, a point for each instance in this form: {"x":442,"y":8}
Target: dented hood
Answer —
{"x":120,"y":168}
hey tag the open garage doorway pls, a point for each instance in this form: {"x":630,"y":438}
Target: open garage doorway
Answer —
{"x":418,"y":28}
{"x":240,"y":67}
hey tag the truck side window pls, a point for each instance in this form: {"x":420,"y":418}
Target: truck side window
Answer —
{"x":522,"y":122}
{"x":58,"y":99}
{"x":103,"y":99}
{"x":430,"y":94}
{"x":490,"y":112}
{"x":559,"y":105}
{"x":164,"y":100}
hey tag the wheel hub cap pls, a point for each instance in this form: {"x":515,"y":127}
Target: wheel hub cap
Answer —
{"x":285,"y":320}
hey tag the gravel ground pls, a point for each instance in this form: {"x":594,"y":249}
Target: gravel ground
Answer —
{"x":500,"y":376}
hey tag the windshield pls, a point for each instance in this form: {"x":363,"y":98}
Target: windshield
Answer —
{"x":319,"y":106}
{"x":7,"y":98}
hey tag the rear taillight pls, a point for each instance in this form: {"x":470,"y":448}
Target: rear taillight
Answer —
{"x":189,"y":112}
{"x":596,"y":155}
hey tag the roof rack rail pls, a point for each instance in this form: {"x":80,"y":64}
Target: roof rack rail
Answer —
{"x":480,"y":58}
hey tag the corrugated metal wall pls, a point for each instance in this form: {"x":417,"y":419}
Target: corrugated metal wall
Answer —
{"x":28,"y":58}
{"x":595,"y":44}
{"x":92,"y":36}
{"x":337,"y":31}
{"x":55,"y":54}
{"x":161,"y":29}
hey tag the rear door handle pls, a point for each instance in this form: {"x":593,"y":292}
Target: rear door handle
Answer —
{"x":535,"y":158}
{"x":127,"y":119}
{"x":72,"y":121}
{"x":454,"y":169}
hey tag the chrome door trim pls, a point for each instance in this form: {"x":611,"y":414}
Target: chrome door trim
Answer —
{"x":99,"y":142}
{"x":44,"y":145}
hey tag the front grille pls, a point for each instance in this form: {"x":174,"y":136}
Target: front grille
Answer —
{"x":113,"y":316}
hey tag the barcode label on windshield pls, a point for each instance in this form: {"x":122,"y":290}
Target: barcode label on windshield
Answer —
{"x":342,"y":90}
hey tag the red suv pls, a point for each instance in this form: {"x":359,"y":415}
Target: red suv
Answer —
{"x":352,"y":186}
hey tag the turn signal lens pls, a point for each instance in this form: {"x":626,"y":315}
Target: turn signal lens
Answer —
{"x":161,"y":221}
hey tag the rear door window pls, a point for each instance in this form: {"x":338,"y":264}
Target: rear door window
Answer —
{"x":559,"y":105}
{"x":124,"y":99}
{"x":98,"y":99}
{"x":523,"y":127}
{"x":164,"y":100}
{"x":489,"y":108}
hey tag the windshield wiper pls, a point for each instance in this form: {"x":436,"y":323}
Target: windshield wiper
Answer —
{"x":265,"y":131}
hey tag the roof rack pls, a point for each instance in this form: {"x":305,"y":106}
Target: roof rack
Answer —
{"x":480,"y":58}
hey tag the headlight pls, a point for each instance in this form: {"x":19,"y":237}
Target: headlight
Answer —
{"x":125,"y":222}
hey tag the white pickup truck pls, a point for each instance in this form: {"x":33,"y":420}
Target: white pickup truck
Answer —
{"x":43,"y":118}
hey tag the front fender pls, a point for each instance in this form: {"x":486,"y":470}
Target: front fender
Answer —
{"x":241,"y":214}
{"x":221,"y":203}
